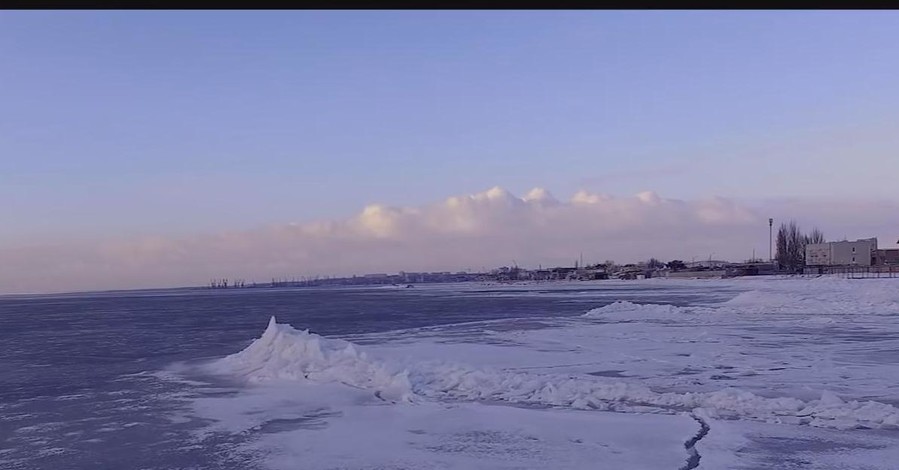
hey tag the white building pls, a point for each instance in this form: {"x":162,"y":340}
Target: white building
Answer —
{"x":845,"y":253}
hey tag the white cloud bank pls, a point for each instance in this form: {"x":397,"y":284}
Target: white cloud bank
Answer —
{"x":487,"y":229}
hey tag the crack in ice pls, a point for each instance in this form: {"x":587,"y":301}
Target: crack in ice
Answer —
{"x":690,"y":445}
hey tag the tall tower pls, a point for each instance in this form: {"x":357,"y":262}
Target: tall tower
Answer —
{"x":770,"y":240}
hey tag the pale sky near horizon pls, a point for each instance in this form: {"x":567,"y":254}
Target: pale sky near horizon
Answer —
{"x":119,"y":125}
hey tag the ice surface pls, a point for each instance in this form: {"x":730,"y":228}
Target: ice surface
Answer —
{"x":749,"y":445}
{"x":283,"y":352}
{"x":330,"y":426}
{"x":760,"y":361}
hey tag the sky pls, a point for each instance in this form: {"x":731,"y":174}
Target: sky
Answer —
{"x":155,"y":148}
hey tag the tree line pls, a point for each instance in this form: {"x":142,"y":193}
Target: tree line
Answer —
{"x":790,"y":256}
{"x":791,"y":242}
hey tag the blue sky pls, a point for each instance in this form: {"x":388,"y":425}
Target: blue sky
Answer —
{"x":174,"y":123}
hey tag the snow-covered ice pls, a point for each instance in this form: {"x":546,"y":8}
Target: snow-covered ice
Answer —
{"x":300,"y":425}
{"x":757,"y":363}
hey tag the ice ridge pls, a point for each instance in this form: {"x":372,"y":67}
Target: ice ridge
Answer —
{"x":284,"y":353}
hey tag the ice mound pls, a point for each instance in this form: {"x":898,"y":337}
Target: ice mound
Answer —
{"x":283,"y":352}
{"x":622,"y":309}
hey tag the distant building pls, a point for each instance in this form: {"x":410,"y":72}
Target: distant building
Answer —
{"x":707,"y":264}
{"x":887,"y":256}
{"x":844,"y":253}
{"x":749,"y":269}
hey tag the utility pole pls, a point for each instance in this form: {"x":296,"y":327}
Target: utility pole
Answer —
{"x":770,"y":240}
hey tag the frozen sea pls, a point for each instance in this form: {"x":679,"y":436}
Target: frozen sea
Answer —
{"x":655,"y":374}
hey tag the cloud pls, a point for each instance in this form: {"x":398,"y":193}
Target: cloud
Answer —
{"x":474,"y":231}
